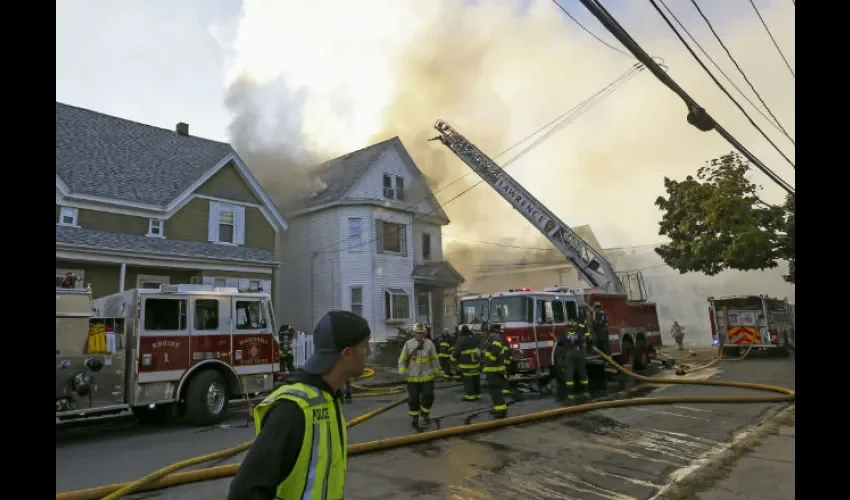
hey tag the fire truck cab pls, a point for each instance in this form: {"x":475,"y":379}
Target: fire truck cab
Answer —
{"x":179,"y":349}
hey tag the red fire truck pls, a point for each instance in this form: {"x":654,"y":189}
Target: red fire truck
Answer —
{"x":184,"y":349}
{"x":533,"y":319}
{"x":745,"y":322}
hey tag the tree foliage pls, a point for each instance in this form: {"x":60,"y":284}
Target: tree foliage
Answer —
{"x":716,"y":221}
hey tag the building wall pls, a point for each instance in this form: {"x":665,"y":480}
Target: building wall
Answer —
{"x":309,"y":280}
{"x":436,"y":232}
{"x":228,"y":184}
{"x":391,"y":271}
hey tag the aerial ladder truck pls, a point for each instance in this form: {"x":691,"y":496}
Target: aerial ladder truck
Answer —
{"x":633,"y":335}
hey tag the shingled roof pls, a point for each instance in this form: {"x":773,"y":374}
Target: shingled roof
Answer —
{"x":87,"y":239}
{"x":101,"y":155}
{"x":340,"y":174}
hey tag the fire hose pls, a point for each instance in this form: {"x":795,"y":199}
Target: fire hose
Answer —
{"x":164,"y":477}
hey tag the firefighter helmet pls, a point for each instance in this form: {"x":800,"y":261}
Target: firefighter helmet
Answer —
{"x":419,"y":328}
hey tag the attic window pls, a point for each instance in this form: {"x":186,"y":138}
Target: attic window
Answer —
{"x":155,"y":228}
{"x":393,"y":192}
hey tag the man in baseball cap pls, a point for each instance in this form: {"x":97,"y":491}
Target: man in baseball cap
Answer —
{"x":282,"y":462}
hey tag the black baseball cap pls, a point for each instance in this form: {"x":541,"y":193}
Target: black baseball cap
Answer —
{"x":336,"y":331}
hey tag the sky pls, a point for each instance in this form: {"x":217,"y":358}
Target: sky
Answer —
{"x":296,"y":82}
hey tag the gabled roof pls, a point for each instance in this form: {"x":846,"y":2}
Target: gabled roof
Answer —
{"x":101,"y":155}
{"x":88,"y":239}
{"x":342,"y":173}
{"x":111,"y":160}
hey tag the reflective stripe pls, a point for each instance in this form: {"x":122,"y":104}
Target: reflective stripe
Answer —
{"x":421,"y":378}
{"x":494,"y":369}
{"x":313,"y":466}
{"x":317,"y":400}
{"x":500,"y":408}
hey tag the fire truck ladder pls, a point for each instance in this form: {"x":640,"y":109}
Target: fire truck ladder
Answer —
{"x":590,"y":264}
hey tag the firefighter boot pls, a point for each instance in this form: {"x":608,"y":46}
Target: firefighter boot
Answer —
{"x":426,"y":419}
{"x":584,"y":386}
{"x":571,"y":392}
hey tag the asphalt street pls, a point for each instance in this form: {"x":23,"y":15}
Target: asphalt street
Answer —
{"x":627,"y":453}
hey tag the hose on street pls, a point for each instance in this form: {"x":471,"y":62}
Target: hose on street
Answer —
{"x":165,"y":479}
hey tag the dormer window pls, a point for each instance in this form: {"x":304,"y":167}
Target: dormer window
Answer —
{"x":393,"y":187}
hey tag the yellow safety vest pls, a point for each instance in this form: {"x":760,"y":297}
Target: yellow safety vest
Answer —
{"x":319,"y":471}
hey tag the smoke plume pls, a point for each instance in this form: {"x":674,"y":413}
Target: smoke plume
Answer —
{"x":314,"y":79}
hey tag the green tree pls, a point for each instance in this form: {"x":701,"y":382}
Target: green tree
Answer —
{"x":716,"y":221}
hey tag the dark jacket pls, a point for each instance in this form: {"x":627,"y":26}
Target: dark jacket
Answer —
{"x":272,"y":456}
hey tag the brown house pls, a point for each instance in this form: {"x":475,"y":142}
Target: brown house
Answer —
{"x":138,"y":206}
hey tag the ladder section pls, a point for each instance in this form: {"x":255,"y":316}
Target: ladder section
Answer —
{"x":590,"y":264}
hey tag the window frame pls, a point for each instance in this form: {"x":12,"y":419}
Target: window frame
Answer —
{"x":389,"y":305}
{"x":263,"y":314}
{"x":402,"y":236}
{"x":387,"y":187}
{"x":195,"y":303}
{"x":74,"y":214}
{"x":214,"y":223}
{"x":352,"y":304}
{"x":182,"y":310}
{"x":160,"y":227}
{"x":426,"y":236}
{"x":151,"y":278}
{"x":399,"y":188}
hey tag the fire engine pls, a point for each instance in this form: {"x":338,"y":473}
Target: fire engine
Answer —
{"x":532,"y":320}
{"x":179,"y":349}
{"x":757,"y":322}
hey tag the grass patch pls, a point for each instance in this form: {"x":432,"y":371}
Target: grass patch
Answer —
{"x":704,"y":479}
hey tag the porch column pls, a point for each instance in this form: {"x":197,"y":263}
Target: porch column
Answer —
{"x":121,"y":276}
{"x":430,"y":312}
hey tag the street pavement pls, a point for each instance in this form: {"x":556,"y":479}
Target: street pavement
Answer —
{"x":620,"y":453}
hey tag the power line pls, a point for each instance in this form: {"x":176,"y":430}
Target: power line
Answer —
{"x":735,"y":62}
{"x":781,"y":54}
{"x":697,"y":115}
{"x":580,"y":25}
{"x":717,"y":66}
{"x":575,"y":113}
{"x":716,"y":82}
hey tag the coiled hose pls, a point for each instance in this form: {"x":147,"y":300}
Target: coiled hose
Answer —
{"x":164,"y":479}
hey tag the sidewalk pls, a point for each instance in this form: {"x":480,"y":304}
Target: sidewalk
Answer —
{"x":764,"y":471}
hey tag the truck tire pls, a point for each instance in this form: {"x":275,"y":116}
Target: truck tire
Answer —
{"x":641,"y":354}
{"x":206,"y":398}
{"x":627,"y":353}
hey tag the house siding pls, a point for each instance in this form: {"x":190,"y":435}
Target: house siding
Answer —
{"x":309,"y":284}
{"x":436,"y":233}
{"x":357,"y":262}
{"x":116,"y":223}
{"x":228,"y":184}
{"x":190,"y":223}
{"x":391,"y":271}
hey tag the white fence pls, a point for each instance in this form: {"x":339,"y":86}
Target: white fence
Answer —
{"x":302,"y":348}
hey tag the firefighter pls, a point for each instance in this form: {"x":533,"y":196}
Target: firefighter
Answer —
{"x":678,"y":334}
{"x":506,"y":357}
{"x":466,"y":357}
{"x":494,"y":368}
{"x":456,"y":373}
{"x":286,"y":336}
{"x":444,"y":348}
{"x":574,"y":343}
{"x":583,"y":330}
{"x":600,"y":327}
{"x":419,"y":364}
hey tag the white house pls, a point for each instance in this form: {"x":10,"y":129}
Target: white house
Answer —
{"x":371,"y":243}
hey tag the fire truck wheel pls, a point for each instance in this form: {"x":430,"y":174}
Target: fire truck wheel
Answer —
{"x":627,"y":352}
{"x":206,"y":398}
{"x":641,"y":354}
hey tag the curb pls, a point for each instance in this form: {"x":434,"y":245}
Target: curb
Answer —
{"x":725,"y":450}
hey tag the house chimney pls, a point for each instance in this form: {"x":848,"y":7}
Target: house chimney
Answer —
{"x":182,"y":129}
